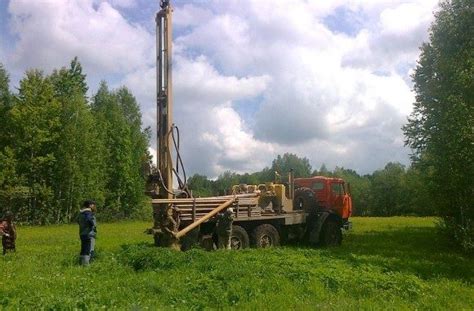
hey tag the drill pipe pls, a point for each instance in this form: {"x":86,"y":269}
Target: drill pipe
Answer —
{"x":206,"y":217}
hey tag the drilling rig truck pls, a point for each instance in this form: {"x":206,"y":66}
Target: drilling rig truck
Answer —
{"x":315,"y":209}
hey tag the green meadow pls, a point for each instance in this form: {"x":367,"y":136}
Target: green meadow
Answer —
{"x":384,"y":263}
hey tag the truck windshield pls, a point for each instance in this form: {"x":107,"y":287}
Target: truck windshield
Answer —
{"x":318,"y":185}
{"x":337,"y":189}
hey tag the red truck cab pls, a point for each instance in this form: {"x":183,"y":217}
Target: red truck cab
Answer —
{"x":331,"y":194}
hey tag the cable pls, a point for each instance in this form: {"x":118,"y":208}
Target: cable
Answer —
{"x":178,"y":155}
{"x":163,"y":184}
{"x":182,"y":182}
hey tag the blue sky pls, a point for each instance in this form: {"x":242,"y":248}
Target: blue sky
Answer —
{"x":329,"y":80}
{"x":344,"y":20}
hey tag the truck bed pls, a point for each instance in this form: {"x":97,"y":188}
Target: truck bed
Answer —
{"x":245,"y":209}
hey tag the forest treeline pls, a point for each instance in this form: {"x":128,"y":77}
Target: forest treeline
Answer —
{"x":58,"y":147}
{"x":391,"y":191}
{"x":440,"y":130}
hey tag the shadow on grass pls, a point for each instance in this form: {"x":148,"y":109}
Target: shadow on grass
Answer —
{"x":422,"y":251}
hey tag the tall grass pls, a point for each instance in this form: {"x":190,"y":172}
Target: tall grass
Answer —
{"x":384,"y":263}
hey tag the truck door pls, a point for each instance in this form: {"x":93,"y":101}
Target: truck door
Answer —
{"x":337,"y":197}
{"x":320,"y":193}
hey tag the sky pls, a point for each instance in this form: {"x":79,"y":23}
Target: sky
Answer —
{"x":326,"y":80}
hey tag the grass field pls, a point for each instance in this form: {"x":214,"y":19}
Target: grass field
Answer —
{"x":384,"y":263}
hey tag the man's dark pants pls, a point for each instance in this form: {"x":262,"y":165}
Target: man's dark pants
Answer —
{"x":85,"y":245}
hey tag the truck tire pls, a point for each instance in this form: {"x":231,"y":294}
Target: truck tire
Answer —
{"x":265,"y":236}
{"x":304,"y":199}
{"x":239,"y":238}
{"x":331,"y":234}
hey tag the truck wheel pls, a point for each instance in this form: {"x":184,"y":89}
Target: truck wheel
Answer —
{"x":239,"y":238}
{"x":304,"y":199}
{"x":265,"y":236}
{"x":331,"y":234}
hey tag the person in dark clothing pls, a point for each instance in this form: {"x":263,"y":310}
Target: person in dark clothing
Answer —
{"x":87,"y":230}
{"x":93,"y":236}
{"x":8,"y":233}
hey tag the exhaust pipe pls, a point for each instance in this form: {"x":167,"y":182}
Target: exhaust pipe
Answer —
{"x":291,"y":184}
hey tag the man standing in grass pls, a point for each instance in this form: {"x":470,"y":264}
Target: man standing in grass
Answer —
{"x":87,"y":230}
{"x":94,"y":235}
{"x":8,"y":233}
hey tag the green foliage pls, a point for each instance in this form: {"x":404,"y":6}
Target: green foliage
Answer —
{"x":323,"y":171}
{"x":387,"y":191}
{"x":440,"y":129}
{"x":399,"y":262}
{"x":13,"y":192}
{"x":5,"y":105}
{"x":391,"y":191}
{"x":10,"y":182}
{"x":56,"y":150}
{"x":124,"y":150}
{"x":280,"y":168}
{"x":202,"y":186}
{"x":300,"y":166}
{"x":225,"y":182}
{"x":78,"y":169}
{"x":36,"y":122}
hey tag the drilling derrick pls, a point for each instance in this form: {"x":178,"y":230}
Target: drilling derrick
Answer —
{"x":164,"y":99}
{"x":263,"y":212}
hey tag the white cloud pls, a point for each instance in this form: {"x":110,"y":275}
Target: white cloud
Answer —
{"x":215,"y":137}
{"x":204,"y":114}
{"x":51,"y":33}
{"x":336,"y":98}
{"x":124,"y":4}
{"x":198,"y":79}
{"x":415,"y":15}
{"x":127,"y":4}
{"x":330,"y":96}
{"x":190,"y":15}
{"x":233,"y":144}
{"x":393,"y":37}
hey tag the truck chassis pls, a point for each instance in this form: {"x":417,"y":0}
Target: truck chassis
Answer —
{"x":253,"y":225}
